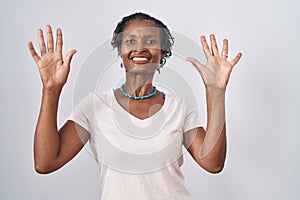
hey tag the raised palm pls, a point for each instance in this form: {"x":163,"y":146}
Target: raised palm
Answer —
{"x":53,"y":68}
{"x":216,"y":72}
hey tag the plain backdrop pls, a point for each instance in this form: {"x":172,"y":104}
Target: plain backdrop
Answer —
{"x":262,"y":111}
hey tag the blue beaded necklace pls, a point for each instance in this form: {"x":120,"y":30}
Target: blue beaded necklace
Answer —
{"x":138,"y":97}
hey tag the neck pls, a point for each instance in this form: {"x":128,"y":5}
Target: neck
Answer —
{"x":138,"y":84}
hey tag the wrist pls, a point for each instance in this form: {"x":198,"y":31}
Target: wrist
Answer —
{"x":215,"y":93}
{"x":52,"y":91}
{"x":215,"y":90}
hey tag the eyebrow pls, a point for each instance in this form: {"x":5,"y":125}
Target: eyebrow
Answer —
{"x":131,"y":35}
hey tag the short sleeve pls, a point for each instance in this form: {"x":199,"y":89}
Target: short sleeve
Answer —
{"x":191,"y":118}
{"x":82,"y":112}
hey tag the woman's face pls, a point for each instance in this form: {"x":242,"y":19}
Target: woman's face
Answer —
{"x":141,"y":47}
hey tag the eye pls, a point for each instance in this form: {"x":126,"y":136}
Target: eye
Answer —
{"x":130,"y":41}
{"x":150,"y":41}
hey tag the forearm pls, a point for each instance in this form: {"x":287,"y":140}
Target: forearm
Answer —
{"x":46,"y":139}
{"x":213,"y":149}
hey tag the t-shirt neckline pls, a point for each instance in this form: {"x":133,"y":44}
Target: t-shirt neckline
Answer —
{"x":155,"y":115}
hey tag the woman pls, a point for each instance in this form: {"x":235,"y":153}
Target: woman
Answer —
{"x":128,"y":170}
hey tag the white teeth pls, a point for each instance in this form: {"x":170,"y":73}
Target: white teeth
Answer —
{"x":139,"y":59}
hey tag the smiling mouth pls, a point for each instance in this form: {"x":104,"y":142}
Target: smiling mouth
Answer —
{"x":140,"y":60}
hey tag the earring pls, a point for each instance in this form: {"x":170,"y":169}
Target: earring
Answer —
{"x":162,"y":62}
{"x":121,"y":64}
{"x":158,"y":69}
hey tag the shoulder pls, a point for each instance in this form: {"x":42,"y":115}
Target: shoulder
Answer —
{"x":174,"y":99}
{"x":102,"y":95}
{"x":94,"y":98}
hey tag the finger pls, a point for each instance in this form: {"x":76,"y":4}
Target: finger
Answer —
{"x":59,"y":41}
{"x":225,"y":48}
{"x":214,"y":46}
{"x":195,"y":62}
{"x":236,"y":59}
{"x":205,"y":46}
{"x":69,"y":57}
{"x":41,"y":42}
{"x":33,"y":53}
{"x":49,"y":38}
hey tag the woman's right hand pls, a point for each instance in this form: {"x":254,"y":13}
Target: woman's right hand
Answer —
{"x":52,"y":67}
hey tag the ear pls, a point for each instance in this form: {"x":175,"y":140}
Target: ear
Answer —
{"x":119,"y":51}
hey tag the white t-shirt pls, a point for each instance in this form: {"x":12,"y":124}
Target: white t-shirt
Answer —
{"x":138,"y":159}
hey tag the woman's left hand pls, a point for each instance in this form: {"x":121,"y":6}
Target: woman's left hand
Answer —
{"x":216,"y":72}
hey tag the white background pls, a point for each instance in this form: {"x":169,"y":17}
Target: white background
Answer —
{"x":263,"y":159}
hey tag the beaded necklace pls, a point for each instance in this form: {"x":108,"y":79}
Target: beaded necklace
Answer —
{"x":138,"y":97}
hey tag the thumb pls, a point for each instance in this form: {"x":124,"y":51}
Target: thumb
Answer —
{"x":69,"y":56}
{"x":195,"y":62}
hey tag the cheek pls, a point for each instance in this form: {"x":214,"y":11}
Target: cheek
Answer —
{"x":157,"y":55}
{"x":122,"y":51}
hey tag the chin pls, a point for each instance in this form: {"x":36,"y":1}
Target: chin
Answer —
{"x":142,"y":69}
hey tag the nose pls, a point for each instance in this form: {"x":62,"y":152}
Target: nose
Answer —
{"x":139,"y":46}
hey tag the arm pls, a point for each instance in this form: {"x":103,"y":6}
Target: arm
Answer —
{"x":53,"y":148}
{"x":208,"y":147}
